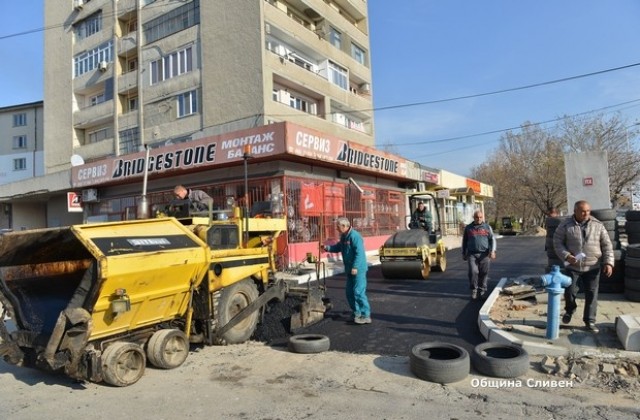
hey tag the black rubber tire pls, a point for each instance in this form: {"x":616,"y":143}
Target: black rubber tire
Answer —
{"x":308,"y":343}
{"x":633,"y":238}
{"x":441,"y":363}
{"x":632,"y":227}
{"x":168,"y":349}
{"x":604,"y":214}
{"x":500,"y":360}
{"x":123,"y":364}
{"x":609,"y":225}
{"x":632,"y":295}
{"x":633,"y":250}
{"x":632,"y":273}
{"x":632,"y":215}
{"x":633,"y":262}
{"x":632,"y":283}
{"x":233,"y":299}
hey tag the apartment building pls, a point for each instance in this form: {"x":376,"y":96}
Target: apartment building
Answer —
{"x":21,"y":155}
{"x":141,"y":95}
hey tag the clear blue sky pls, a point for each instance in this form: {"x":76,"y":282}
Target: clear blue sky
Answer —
{"x":432,"y":50}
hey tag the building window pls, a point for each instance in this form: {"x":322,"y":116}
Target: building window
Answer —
{"x":20,"y":164}
{"x":129,"y":140}
{"x":358,"y":54}
{"x":19,"y":120}
{"x":338,"y":76}
{"x":302,"y":104}
{"x":187,"y":103}
{"x":90,"y":60}
{"x":19,"y":142}
{"x":172,"y":65}
{"x":89,"y":26}
{"x":132,"y":64}
{"x":97,"y":99}
{"x":335,"y":37}
{"x":176,"y":20}
{"x":99,"y":135}
{"x":132,"y":103}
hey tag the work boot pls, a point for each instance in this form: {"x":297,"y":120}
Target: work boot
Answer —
{"x":474,"y":295}
{"x":362,"y":320}
{"x":566,"y":318}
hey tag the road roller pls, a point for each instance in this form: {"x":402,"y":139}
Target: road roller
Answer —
{"x":415,"y":252}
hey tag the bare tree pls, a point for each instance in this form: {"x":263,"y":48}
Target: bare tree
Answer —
{"x":527,"y":168}
{"x":612,"y":135}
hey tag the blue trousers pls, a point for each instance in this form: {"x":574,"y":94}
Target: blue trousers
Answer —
{"x":356,"y":290}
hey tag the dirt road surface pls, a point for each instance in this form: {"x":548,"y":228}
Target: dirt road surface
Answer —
{"x":256,"y":381}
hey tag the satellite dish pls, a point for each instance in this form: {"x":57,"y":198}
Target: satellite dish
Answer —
{"x":76,"y":160}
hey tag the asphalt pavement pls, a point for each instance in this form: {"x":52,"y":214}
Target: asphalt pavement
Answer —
{"x":411,"y":311}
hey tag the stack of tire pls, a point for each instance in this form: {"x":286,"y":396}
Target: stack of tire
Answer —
{"x":615,"y":283}
{"x":550,"y":225}
{"x":632,"y":257}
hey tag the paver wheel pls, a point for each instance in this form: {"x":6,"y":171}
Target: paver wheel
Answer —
{"x":439,"y":362}
{"x":123,"y":364}
{"x":500,"y":360}
{"x":233,"y":299}
{"x":308,"y":343}
{"x":168,"y":349}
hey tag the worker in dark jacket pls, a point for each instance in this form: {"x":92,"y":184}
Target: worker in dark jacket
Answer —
{"x":199,"y":199}
{"x":478,"y":249}
{"x":421,"y":218}
{"x":584,"y":245}
{"x":354,"y":258}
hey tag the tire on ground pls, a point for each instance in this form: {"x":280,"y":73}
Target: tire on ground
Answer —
{"x":168,"y":349}
{"x":500,"y":360}
{"x":308,"y":343}
{"x":441,"y":363}
{"x":123,"y":364}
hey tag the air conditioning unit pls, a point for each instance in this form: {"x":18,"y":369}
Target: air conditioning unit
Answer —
{"x":103,"y":66}
{"x":90,"y":195}
{"x":365,"y":88}
{"x":78,"y":4}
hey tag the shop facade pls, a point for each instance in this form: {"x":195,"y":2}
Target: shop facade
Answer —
{"x":317,"y":178}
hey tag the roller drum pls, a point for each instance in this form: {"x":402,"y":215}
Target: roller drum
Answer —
{"x":405,"y":269}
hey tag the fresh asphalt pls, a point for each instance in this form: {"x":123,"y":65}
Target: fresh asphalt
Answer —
{"x":409,"y":311}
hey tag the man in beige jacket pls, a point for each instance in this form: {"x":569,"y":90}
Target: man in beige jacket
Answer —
{"x":583,"y":243}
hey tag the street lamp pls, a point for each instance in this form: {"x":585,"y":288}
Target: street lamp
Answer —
{"x":246,"y":156}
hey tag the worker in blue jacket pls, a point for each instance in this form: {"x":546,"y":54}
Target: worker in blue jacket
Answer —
{"x":354,"y":258}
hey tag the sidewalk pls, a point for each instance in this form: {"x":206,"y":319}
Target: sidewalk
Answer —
{"x":524,"y":323}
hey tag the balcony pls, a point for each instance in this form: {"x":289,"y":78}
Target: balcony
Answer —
{"x":93,"y":115}
{"x":127,"y":43}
